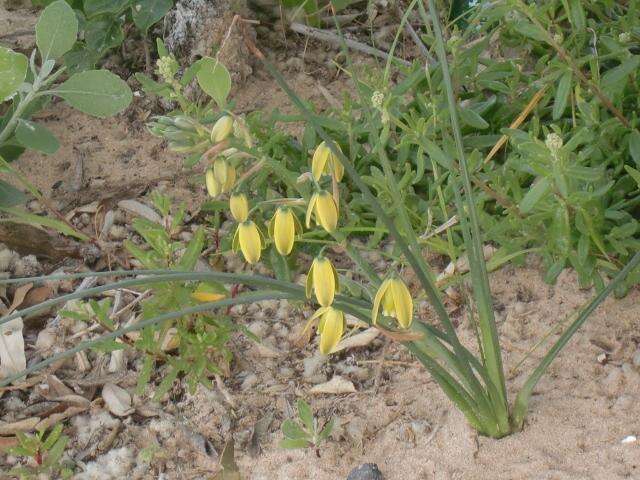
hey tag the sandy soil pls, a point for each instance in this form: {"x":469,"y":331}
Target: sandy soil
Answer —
{"x":579,"y":414}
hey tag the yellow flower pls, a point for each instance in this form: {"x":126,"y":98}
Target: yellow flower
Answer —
{"x":324,"y":161}
{"x":283,"y":228}
{"x":209,"y":292}
{"x":248,"y":240}
{"x":222,"y":129}
{"x":221,"y":178}
{"x":330,"y":328}
{"x":239,"y":206}
{"x":325,"y":210}
{"x":396,"y":302}
{"x":323,"y":280}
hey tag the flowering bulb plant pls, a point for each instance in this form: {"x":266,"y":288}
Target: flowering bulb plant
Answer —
{"x":475,"y":383}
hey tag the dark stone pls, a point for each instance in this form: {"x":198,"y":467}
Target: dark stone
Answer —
{"x":366,"y":471}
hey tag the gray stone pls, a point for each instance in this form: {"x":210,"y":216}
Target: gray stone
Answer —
{"x":366,"y":471}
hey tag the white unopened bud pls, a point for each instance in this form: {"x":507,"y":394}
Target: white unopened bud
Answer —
{"x":553,"y":142}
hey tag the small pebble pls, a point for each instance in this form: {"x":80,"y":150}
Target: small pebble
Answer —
{"x":629,"y":439}
{"x":249,"y":381}
{"x":636,"y":358}
{"x":258,"y":328}
{"x":366,"y":471}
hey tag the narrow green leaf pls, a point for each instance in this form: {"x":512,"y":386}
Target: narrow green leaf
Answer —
{"x":635,"y":174}
{"x":562,"y":95}
{"x":22,"y":216}
{"x":56,"y":30}
{"x":535,"y":194}
{"x":214,"y":79}
{"x":53,"y":436}
{"x":35,"y":136}
{"x":96,"y":92}
{"x":13,"y":70}
{"x":192,"y":252}
{"x":473,"y":119}
{"x":634,"y":146}
{"x":147,"y":12}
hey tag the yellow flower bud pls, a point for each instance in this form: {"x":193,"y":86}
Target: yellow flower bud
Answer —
{"x":222,"y":129}
{"x":213,"y":186}
{"x":323,"y":280}
{"x":283,"y":229}
{"x":396,"y":302}
{"x":221,"y":178}
{"x":325,"y":162}
{"x":239,"y":206}
{"x":248,"y":240}
{"x":325,"y":210}
{"x":330,"y":328}
{"x":209,"y":292}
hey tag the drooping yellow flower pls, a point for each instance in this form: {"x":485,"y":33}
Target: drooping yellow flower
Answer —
{"x":330,"y":328}
{"x":239,"y":206}
{"x":248,"y":240}
{"x":283,"y":228}
{"x":396,"y":302}
{"x":222,"y":129}
{"x":221,"y":178}
{"x":209,"y":292}
{"x":324,"y":208}
{"x":325,"y":162}
{"x":322,"y":279}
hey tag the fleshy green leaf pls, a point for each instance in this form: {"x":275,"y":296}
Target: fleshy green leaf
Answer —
{"x":96,"y":92}
{"x":35,"y":136}
{"x":304,"y":412}
{"x":103,"y":33}
{"x":98,"y":7}
{"x":13,"y":69}
{"x":10,"y":195}
{"x":214,"y":79}
{"x":56,"y":30}
{"x":147,"y":12}
{"x":292,"y":430}
{"x":291,"y":444}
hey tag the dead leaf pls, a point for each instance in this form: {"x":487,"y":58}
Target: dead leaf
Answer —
{"x":26,"y":425}
{"x":18,"y":297}
{"x":264,"y":351}
{"x":7,"y":442}
{"x":37,"y":295}
{"x":51,"y":420}
{"x":117,"y":400}
{"x":336,"y":386}
{"x":139,"y":209}
{"x":361,"y":339}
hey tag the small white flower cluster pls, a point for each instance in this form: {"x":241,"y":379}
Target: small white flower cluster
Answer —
{"x":553,"y":142}
{"x":624,"y":37}
{"x":377,"y":99}
{"x":167,"y":68}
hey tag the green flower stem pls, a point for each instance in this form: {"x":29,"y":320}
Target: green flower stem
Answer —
{"x":522,"y":400}
{"x":251,"y":280}
{"x":473,"y":239}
